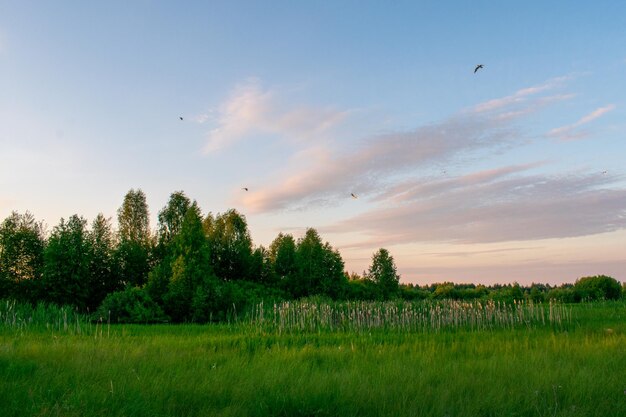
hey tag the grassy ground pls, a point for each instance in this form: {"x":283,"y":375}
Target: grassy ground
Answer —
{"x":230,"y":371}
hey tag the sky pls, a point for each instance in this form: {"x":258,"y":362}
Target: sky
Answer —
{"x":514,"y":172}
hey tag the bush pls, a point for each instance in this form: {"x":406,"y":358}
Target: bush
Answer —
{"x":361,"y":289}
{"x":413,"y":293}
{"x":236,"y":298}
{"x":562,"y":294}
{"x":133,"y":305}
{"x":599,"y":287}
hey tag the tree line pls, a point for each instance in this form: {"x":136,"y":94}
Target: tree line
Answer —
{"x":199,"y":268}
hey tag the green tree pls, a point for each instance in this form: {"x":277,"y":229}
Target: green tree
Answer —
{"x":192,"y":286}
{"x":537,"y":293}
{"x":102,"y":271}
{"x":319,"y":268}
{"x":231,"y":245}
{"x":333,"y":279}
{"x":282,"y":253}
{"x":383,"y":272}
{"x":261,"y":267}
{"x":171,"y":218}
{"x":135,"y":244}
{"x":66,"y":264}
{"x":21,"y":256}
{"x":133,"y":218}
{"x":309,"y":264}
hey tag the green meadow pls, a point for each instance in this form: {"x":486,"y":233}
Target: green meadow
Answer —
{"x":68,"y":366}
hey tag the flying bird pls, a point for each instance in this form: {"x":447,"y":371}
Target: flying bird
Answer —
{"x":479,"y":66}
{"x":353,"y":196}
{"x":605,"y":172}
{"x":180,"y":117}
{"x":245,"y":188}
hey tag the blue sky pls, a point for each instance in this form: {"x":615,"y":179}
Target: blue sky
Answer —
{"x":513,"y":173}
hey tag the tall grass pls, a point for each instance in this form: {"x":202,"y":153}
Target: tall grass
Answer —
{"x":421,"y":316}
{"x":326,"y":316}
{"x":226,"y":370}
{"x":23,"y":316}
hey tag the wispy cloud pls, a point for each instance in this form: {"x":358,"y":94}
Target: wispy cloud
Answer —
{"x":393,"y":172}
{"x":467,"y":254}
{"x":253,"y":110}
{"x":520,"y":97}
{"x":571,"y":132}
{"x":495,"y":206}
{"x":328,"y":175}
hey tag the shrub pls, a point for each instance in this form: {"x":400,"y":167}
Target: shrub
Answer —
{"x":133,"y":305}
{"x":599,"y":287}
{"x":562,"y":294}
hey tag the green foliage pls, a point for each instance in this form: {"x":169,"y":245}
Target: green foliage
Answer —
{"x":171,"y":219}
{"x":446,"y":290}
{"x":158,"y":280}
{"x":361,"y":289}
{"x":563,"y":294}
{"x":102,"y":269}
{"x":537,"y":293}
{"x":135,"y":244}
{"x":132,"y":305}
{"x":133,"y":218}
{"x":230,"y":244}
{"x":261,"y":267}
{"x":283,"y":258}
{"x":319,"y":268}
{"x":191,"y":285}
{"x":411,"y":292}
{"x":333,"y":280}
{"x":21,"y":256}
{"x":237,"y":298}
{"x":132,"y":261}
{"x":383,"y":272}
{"x":66,"y":275}
{"x":205,"y":303}
{"x":599,"y":287}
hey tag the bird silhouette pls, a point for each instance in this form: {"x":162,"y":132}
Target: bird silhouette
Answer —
{"x":353,"y":196}
{"x":605,"y":172}
{"x":180,"y":117}
{"x":245,"y":188}
{"x":479,"y":66}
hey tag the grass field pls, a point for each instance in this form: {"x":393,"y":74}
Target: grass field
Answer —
{"x":245,"y":370}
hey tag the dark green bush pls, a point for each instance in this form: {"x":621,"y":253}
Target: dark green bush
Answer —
{"x":599,"y":287}
{"x":133,"y":305}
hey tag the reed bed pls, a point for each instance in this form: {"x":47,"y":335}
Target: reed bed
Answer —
{"x":326,"y":316}
{"x":423,"y":316}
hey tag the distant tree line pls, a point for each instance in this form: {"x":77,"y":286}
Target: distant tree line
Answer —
{"x":200,"y":268}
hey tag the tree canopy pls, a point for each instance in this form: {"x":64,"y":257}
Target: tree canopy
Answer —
{"x":199,"y":269}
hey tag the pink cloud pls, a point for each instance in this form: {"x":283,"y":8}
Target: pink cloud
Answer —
{"x":368,"y":167}
{"x":252,"y":110}
{"x":519,"y":97}
{"x":572,"y":132}
{"x":493,"y":206}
